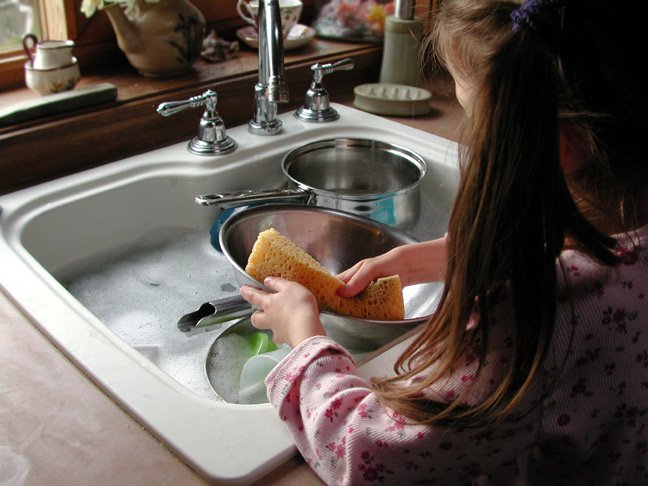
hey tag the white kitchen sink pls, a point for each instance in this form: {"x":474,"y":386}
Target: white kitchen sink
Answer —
{"x":105,"y":262}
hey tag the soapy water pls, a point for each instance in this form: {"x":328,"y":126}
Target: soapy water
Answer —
{"x":140,"y":291}
{"x":224,"y":367}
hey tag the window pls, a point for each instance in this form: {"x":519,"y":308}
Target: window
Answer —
{"x":94,"y":37}
{"x":17,"y":18}
{"x":45,"y":18}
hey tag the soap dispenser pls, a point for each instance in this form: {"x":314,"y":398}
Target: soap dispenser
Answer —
{"x":401,"y":46}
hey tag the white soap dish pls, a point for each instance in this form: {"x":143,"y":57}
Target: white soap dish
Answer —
{"x":392,"y":99}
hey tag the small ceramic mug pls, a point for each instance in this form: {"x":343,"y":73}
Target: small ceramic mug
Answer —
{"x":290,"y":11}
{"x":53,"y":80}
{"x":50,"y":54}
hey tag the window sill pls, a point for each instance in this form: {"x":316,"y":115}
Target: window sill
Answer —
{"x":47,"y":148}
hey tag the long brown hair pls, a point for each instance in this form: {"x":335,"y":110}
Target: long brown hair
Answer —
{"x":514,"y":210}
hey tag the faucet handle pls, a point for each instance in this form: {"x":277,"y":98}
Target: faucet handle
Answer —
{"x":319,"y":70}
{"x":212,"y":138}
{"x":316,"y":104}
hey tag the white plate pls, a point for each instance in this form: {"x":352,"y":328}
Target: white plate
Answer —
{"x":298,"y":36}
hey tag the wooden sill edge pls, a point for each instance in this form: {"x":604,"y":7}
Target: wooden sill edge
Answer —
{"x":34,"y":152}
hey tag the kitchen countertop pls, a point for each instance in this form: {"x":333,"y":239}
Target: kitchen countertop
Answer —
{"x":58,"y":427}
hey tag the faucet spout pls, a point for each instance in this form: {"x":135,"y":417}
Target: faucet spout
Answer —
{"x":272,"y":88}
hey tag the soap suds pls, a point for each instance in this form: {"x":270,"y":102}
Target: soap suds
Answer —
{"x":139,"y":292}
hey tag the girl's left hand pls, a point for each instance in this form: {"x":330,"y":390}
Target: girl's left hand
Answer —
{"x":291,"y":313}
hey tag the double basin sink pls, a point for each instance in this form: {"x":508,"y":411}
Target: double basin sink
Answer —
{"x":105,"y":262}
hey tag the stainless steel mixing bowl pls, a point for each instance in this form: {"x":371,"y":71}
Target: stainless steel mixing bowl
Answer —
{"x":337,"y":240}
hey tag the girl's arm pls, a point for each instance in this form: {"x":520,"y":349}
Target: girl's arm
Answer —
{"x":348,"y":437}
{"x":415,"y":263}
{"x":343,"y":431}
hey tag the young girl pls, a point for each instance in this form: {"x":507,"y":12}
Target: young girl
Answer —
{"x":534,"y":368}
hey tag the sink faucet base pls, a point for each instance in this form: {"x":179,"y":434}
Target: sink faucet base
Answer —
{"x":265,"y":121}
{"x":316,"y":115}
{"x":201,"y":147}
{"x":271,"y":127}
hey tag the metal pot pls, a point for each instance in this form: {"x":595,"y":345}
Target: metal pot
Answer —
{"x":369,"y":178}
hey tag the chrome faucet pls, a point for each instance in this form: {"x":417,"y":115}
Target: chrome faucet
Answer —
{"x":271,"y":88}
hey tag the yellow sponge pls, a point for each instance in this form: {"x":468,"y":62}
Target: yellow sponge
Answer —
{"x":275,"y":255}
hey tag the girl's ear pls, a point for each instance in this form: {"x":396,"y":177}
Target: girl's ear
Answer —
{"x":571,"y":157}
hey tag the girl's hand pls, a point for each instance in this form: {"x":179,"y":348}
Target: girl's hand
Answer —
{"x":415,"y":263}
{"x":365,"y":271}
{"x":291,"y":313}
